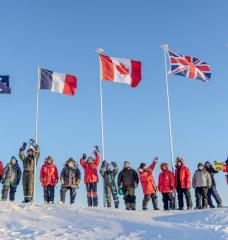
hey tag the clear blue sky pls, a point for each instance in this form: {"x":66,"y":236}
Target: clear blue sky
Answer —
{"x":63,"y":36}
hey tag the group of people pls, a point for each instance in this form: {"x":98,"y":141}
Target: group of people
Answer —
{"x":169,"y":182}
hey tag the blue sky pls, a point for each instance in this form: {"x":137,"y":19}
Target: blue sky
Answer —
{"x":63,"y":36}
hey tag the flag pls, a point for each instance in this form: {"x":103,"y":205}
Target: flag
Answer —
{"x":4,"y":84}
{"x":189,"y":67}
{"x":120,"y":70}
{"x":57,"y":82}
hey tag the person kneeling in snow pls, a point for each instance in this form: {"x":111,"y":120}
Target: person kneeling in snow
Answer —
{"x":49,"y":178}
{"x":201,"y":181}
{"x":148,"y":184}
{"x":129,"y":180}
{"x":166,"y":184}
{"x":110,"y":188}
{"x":90,"y":166}
{"x":11,"y":179}
{"x":70,"y":178}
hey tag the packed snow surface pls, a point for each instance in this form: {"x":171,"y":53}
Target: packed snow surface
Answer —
{"x":19,"y":221}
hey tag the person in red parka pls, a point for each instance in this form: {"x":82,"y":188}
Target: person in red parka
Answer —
{"x":90,"y":166}
{"x":166,"y":184}
{"x":183,"y":184}
{"x":49,"y":178}
{"x":1,"y":170}
{"x":148,"y":184}
{"x":225,"y":169}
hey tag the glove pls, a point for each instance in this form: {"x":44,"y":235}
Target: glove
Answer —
{"x":156,"y":159}
{"x":120,"y":191}
{"x":24,"y":145}
{"x":114,"y":164}
{"x":84,"y":156}
{"x":103,"y":164}
{"x":226,"y":162}
{"x":62,"y":182}
{"x":3,"y":180}
{"x":74,"y":186}
{"x":97,"y":148}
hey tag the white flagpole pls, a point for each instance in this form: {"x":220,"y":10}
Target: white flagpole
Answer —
{"x":102,"y":126}
{"x":36,"y":129}
{"x":165,"y":47}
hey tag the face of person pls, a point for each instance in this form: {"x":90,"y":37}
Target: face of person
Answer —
{"x":179,"y":163}
{"x":108,"y":168}
{"x":200,"y":168}
{"x":126,"y":165}
{"x":30,"y":153}
{"x":13,"y":161}
{"x":164,"y":167}
{"x":70,"y":164}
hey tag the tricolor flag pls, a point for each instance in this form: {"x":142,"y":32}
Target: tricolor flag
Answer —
{"x":120,"y":70}
{"x":57,"y":82}
{"x":4,"y":84}
{"x":189,"y":67}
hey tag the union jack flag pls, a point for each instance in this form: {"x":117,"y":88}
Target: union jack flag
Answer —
{"x":189,"y":67}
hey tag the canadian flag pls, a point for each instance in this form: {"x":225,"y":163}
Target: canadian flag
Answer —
{"x":120,"y":70}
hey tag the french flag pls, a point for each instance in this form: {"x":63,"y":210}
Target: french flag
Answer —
{"x":57,"y":82}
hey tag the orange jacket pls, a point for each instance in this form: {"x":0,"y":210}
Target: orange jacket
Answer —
{"x":147,"y":179}
{"x":90,"y":170}
{"x":1,"y":168}
{"x":49,"y":174}
{"x":225,"y":168}
{"x":185,"y":175}
{"x":166,"y":181}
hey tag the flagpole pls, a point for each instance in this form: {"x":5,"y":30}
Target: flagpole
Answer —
{"x":165,"y":47}
{"x":102,"y":126}
{"x":36,"y":128}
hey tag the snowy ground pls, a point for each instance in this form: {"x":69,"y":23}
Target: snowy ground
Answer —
{"x":18,"y":221}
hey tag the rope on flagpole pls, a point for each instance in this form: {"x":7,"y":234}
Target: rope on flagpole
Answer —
{"x":36,"y":128}
{"x":102,"y":126}
{"x":165,"y":47}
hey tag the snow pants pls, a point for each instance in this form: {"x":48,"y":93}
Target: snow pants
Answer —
{"x":9,"y":189}
{"x":181,"y":192}
{"x":201,"y":197}
{"x":49,"y":193}
{"x":63,"y":191}
{"x":92,"y":198}
{"x":168,"y":201}
{"x":149,"y":197}
{"x":212,"y":192}
{"x":129,"y":198}
{"x":28,"y":185}
{"x":111,"y":192}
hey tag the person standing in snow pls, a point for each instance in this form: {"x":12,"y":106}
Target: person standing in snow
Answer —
{"x":49,"y":178}
{"x":11,"y":179}
{"x":166,"y":184}
{"x":109,"y":172}
{"x":212,"y":191}
{"x":225,"y":169}
{"x":148,"y":184}
{"x":70,"y":178}
{"x":183,"y":184}
{"x":29,"y":162}
{"x":90,"y":166}
{"x":1,"y":170}
{"x":201,"y":181}
{"x":129,"y":180}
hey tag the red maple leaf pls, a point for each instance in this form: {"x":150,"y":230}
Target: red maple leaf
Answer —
{"x":122,"y":69}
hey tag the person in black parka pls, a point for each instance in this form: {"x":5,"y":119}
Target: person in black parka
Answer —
{"x":128,"y":178}
{"x":70,"y":178}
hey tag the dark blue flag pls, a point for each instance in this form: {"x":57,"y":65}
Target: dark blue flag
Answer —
{"x":4,"y":84}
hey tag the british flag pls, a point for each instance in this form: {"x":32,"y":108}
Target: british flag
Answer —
{"x":189,"y":67}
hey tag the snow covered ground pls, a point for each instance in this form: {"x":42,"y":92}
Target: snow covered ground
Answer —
{"x":19,"y":221}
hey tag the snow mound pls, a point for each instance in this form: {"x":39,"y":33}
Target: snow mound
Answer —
{"x":19,"y":221}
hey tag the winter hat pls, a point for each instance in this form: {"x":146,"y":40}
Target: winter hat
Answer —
{"x":125,"y":162}
{"x":31,"y":148}
{"x":207,"y":162}
{"x":179,"y":159}
{"x":13,"y":158}
{"x":90,"y":159}
{"x":49,"y":158}
{"x":142,"y":165}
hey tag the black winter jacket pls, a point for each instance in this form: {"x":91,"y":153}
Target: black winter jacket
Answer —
{"x":70,"y":176}
{"x":127,"y":178}
{"x":212,"y":172}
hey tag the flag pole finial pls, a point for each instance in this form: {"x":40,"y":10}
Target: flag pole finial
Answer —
{"x":100,"y":50}
{"x":164,"y":46}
